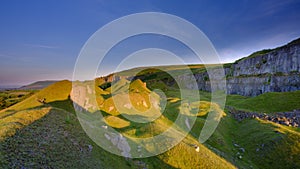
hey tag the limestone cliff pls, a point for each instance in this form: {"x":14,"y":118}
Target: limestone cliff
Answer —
{"x":275,"y":70}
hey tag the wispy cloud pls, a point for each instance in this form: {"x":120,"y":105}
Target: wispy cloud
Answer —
{"x":42,"y":46}
{"x":271,"y":7}
{"x":267,"y":9}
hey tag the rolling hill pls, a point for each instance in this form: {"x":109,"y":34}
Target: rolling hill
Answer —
{"x":38,"y":85}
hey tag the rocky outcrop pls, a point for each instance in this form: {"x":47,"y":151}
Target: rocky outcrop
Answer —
{"x":285,"y":118}
{"x":256,"y":85}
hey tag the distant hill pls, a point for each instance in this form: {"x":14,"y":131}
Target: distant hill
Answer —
{"x":38,"y":85}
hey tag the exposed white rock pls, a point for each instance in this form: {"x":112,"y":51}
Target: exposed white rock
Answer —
{"x":144,"y":103}
{"x":128,"y":106}
{"x":107,"y":136}
{"x":187,"y":123}
{"x":120,"y":143}
{"x":110,"y":108}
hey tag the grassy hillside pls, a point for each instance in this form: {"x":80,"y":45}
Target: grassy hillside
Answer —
{"x":267,"y":102}
{"x":56,"y":142}
{"x":30,"y":110}
{"x":11,"y":97}
{"x":53,"y":94}
{"x":49,"y":135}
{"x":253,"y":143}
{"x":159,"y":69}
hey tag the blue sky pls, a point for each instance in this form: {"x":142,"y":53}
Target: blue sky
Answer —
{"x":41,"y":40}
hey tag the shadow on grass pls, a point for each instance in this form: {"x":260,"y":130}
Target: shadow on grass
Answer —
{"x":64,"y":104}
{"x":53,"y":142}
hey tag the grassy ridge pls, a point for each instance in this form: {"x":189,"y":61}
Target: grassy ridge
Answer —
{"x":59,"y":91}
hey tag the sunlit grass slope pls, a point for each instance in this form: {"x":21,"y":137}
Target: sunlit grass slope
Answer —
{"x":59,"y":91}
{"x":182,"y":155}
{"x":30,"y":110}
{"x":51,"y":136}
{"x":267,"y":102}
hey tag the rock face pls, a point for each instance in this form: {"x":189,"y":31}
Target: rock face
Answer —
{"x":276,"y":70}
{"x":253,"y":86}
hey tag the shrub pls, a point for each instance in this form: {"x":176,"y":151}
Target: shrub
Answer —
{"x":257,"y":65}
{"x":264,"y":61}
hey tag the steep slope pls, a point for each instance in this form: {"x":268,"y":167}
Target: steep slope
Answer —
{"x":31,"y":109}
{"x":59,"y":91}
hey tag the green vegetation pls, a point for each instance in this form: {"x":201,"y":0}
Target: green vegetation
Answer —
{"x":261,"y":52}
{"x":294,"y":42}
{"x":50,"y":142}
{"x":264,"y":61}
{"x":267,"y":103}
{"x":266,"y":51}
{"x":53,"y":94}
{"x":255,"y":54}
{"x":258,"y":65}
{"x":254,"y":143}
{"x":11,"y":97}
